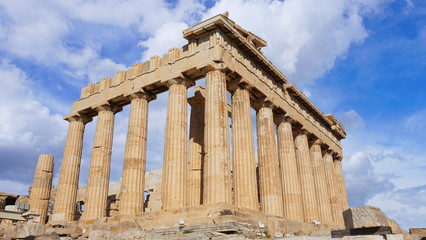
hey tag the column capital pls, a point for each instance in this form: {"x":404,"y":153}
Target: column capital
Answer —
{"x":263,"y":102}
{"x":81,"y":117}
{"x":314,"y":141}
{"x":149,"y":96}
{"x":301,"y":131}
{"x":108,"y":107}
{"x":238,"y":83}
{"x":196,"y":100}
{"x":337,"y":156}
{"x":283,"y":117}
{"x":326,"y":149}
{"x":185,"y":81}
{"x":216,"y":66}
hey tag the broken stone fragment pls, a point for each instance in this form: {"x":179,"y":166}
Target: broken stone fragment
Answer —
{"x":365,"y":216}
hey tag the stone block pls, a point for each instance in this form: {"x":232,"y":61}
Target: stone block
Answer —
{"x":101,"y":235}
{"x":73,"y":231}
{"x":419,"y":231}
{"x":124,"y":227}
{"x":308,"y":238}
{"x":365,"y":216}
{"x":394,"y":237}
{"x":364,"y":237}
{"x":27,"y":230}
{"x":52,"y":236}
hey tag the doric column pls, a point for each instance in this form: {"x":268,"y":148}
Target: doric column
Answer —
{"x":175,"y":146}
{"x":334,"y":194}
{"x":66,"y":194}
{"x":133,"y":177}
{"x":98,"y":181}
{"x":196,"y":150}
{"x":310,"y":206}
{"x":217,"y":169}
{"x":341,"y":183}
{"x":323,"y":200}
{"x":243,"y":158}
{"x":40,"y":190}
{"x":270,"y":187}
{"x":292,"y":193}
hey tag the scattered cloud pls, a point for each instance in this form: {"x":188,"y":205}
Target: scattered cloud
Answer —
{"x":303,"y":42}
{"x":362,"y":180}
{"x":416,"y":122}
{"x":167,"y":36}
{"x":307,"y":93}
{"x":406,"y":205}
{"x":27,"y":127}
{"x":351,"y":120}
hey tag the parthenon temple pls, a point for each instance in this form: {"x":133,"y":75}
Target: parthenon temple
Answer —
{"x":296,"y":173}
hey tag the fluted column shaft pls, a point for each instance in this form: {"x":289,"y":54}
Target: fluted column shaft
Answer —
{"x":99,"y":171}
{"x":175,"y":147}
{"x":334,"y":194}
{"x":341,"y":184}
{"x":292,"y":193}
{"x":217,"y":169}
{"x":196,"y":152}
{"x":66,"y":195}
{"x":323,"y":200}
{"x":42,"y":184}
{"x":270,"y":187}
{"x":133,"y":177}
{"x":243,"y":158}
{"x":310,"y":206}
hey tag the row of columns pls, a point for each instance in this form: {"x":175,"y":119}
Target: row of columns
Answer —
{"x":295,"y":179}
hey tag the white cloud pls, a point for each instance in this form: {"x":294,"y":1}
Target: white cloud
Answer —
{"x":148,"y":16}
{"x":24,"y":120}
{"x":307,"y":93}
{"x":28,"y":128}
{"x":167,"y":36}
{"x":362,"y":180}
{"x":305,"y":37}
{"x":351,"y":121}
{"x":39,"y":31}
{"x":405,"y":205}
{"x":416,"y":122}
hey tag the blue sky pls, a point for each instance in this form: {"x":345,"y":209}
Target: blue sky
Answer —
{"x":364,"y":61}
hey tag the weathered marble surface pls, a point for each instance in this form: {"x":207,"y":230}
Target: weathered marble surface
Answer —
{"x":365,"y":216}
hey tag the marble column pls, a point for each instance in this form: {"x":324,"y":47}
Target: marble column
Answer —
{"x":309,"y":199}
{"x":42,"y":184}
{"x":334,"y":194}
{"x":341,"y":184}
{"x":133,"y":177}
{"x":243,"y":158}
{"x":66,"y":194}
{"x":196,"y":151}
{"x":292,"y":193}
{"x":270,"y":187}
{"x":323,"y":200}
{"x":217,"y":169}
{"x":99,"y":171}
{"x":174,"y":184}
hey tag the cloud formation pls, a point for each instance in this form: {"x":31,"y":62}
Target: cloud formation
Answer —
{"x":362,"y":181}
{"x":303,"y":42}
{"x":27,"y":127}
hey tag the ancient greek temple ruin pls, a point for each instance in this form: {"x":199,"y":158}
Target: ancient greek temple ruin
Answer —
{"x":297,"y":174}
